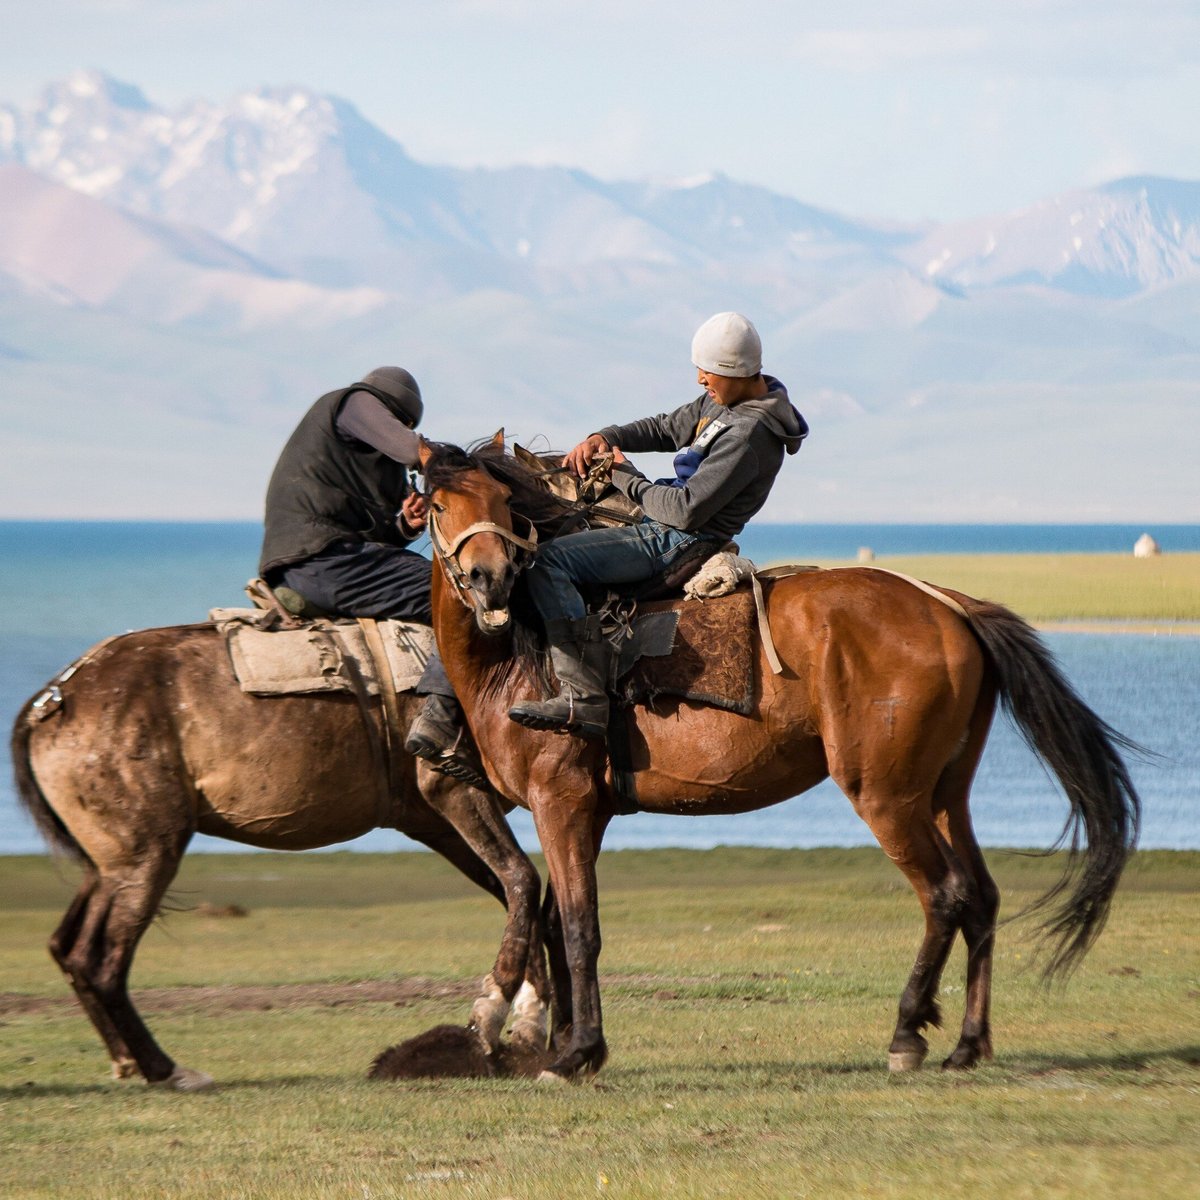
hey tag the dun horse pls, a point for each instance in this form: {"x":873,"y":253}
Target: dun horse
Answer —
{"x":884,"y":687}
{"x":154,"y":742}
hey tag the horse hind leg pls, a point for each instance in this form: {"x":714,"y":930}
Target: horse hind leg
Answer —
{"x":103,"y":929}
{"x":940,"y":887}
{"x":908,"y":835}
{"x":70,"y":945}
{"x":978,"y":921}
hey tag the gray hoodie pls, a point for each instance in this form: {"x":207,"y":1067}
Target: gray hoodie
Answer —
{"x":737,"y":454}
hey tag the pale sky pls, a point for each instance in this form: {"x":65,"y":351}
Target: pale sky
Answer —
{"x":940,"y":109}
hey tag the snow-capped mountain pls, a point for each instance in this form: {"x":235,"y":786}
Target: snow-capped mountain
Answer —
{"x":305,"y":183}
{"x":215,"y":267}
{"x":1114,"y":240}
{"x":81,"y":251}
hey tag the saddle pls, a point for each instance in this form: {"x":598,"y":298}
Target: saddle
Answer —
{"x":271,"y":657}
{"x":683,"y":650}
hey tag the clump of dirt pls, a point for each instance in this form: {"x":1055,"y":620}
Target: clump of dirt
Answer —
{"x":454,"y":1051}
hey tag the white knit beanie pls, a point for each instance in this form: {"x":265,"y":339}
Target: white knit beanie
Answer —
{"x":728,"y":344}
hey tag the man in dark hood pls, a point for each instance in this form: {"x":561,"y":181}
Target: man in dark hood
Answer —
{"x":339,"y":517}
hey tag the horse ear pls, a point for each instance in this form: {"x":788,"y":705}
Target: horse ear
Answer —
{"x":498,"y":438}
{"x":424,"y":452}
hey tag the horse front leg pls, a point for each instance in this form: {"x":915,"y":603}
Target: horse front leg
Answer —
{"x":468,"y":827}
{"x":566,"y":823}
{"x":560,"y":973}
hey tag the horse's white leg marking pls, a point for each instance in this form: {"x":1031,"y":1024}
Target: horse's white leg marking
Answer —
{"x":488,"y":1014}
{"x":529,"y":1019}
{"x":184,"y":1079}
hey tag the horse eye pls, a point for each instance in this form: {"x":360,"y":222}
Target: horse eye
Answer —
{"x":438,"y":508}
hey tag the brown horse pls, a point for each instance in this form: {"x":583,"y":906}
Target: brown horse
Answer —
{"x":885,"y":687}
{"x":149,"y":740}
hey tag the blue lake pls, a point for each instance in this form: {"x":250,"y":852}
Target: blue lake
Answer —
{"x":63,"y":586}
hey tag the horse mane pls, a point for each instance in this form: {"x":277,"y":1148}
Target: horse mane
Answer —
{"x":530,"y":497}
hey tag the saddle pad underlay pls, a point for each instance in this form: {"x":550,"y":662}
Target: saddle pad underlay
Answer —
{"x":323,"y":657}
{"x":712,"y":660}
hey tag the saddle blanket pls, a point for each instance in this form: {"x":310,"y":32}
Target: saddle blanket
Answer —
{"x":711,"y":659}
{"x":324,"y":656}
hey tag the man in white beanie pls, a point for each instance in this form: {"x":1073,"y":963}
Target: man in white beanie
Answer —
{"x":731,"y":441}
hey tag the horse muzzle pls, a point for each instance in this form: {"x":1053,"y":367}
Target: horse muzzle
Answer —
{"x":492,"y":621}
{"x":490,"y":588}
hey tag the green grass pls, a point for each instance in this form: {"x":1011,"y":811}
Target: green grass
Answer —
{"x":749,"y":995}
{"x":1065,"y":587}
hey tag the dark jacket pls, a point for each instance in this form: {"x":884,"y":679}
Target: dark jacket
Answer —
{"x":738,"y":453}
{"x":328,"y":487}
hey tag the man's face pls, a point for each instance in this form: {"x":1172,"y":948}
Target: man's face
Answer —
{"x":721,"y":388}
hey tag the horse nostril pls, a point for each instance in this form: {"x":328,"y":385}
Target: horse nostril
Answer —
{"x":478,"y":576}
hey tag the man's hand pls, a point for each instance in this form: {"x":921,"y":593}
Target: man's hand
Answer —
{"x":414,"y":512}
{"x":581,"y":457}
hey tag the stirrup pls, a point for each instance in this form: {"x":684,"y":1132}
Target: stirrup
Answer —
{"x":533,"y":714}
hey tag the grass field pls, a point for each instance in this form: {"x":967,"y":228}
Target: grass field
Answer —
{"x":750,"y":996}
{"x":1068,"y":587}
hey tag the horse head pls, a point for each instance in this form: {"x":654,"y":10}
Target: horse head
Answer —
{"x":471,"y":529}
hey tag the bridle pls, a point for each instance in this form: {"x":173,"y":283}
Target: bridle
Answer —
{"x":447,"y":552}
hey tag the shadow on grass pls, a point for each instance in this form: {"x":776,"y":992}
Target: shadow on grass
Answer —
{"x":127,"y":1087}
{"x":730,"y":1075}
{"x":1124,"y":1060}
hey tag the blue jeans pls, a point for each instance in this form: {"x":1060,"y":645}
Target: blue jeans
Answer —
{"x":627,"y":554}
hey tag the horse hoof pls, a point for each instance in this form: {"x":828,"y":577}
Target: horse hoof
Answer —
{"x":184,"y":1079}
{"x":905,"y":1060}
{"x":552,"y":1077}
{"x":962,"y":1060}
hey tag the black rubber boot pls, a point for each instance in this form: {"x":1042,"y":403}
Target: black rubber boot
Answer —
{"x":580,"y":657}
{"x":439,"y":736}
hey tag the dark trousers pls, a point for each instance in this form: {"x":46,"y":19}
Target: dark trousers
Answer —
{"x":370,"y":579}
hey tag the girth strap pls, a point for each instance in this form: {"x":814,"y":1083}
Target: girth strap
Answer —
{"x":392,"y":733}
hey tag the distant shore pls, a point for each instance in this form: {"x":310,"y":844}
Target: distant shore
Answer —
{"x":1071,"y":593}
{"x":1143,"y":628}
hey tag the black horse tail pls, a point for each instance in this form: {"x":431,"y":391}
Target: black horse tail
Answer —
{"x":1084,"y":753}
{"x":33,"y":800}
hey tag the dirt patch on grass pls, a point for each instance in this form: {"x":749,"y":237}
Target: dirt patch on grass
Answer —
{"x":455,"y":1052}
{"x":251,"y":997}
{"x":263,"y":998}
{"x":245,"y":998}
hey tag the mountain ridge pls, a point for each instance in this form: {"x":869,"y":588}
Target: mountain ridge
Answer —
{"x":213,"y":268}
